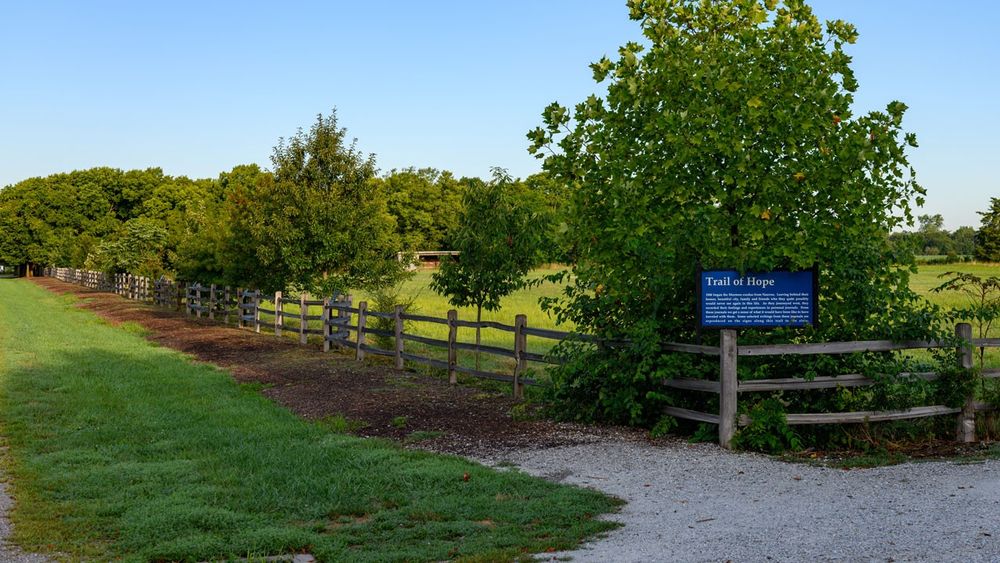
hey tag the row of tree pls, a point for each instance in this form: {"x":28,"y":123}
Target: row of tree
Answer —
{"x":321,"y":219}
{"x":931,"y":238}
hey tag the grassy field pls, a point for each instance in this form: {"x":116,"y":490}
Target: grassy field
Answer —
{"x":118,"y":449}
{"x":929,"y":277}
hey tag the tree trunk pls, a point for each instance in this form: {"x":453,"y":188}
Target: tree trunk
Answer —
{"x":479,"y":319}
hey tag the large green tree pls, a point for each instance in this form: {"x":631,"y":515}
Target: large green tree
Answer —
{"x":425,"y":203}
{"x":726,"y":139}
{"x":319,"y":220}
{"x":964,"y":241}
{"x":988,"y":235}
{"x":214,"y":248}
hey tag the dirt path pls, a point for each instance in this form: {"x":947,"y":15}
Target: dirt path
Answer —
{"x":381,"y":401}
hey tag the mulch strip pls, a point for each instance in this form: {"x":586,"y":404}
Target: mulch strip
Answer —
{"x":382,"y":401}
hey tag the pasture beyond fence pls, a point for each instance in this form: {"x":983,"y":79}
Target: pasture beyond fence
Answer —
{"x":339,"y":320}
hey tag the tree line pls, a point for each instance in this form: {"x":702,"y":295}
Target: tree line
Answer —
{"x":320,"y":219}
{"x":932,"y":239}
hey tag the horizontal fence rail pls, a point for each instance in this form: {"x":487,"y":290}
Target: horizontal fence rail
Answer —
{"x":728,"y":387}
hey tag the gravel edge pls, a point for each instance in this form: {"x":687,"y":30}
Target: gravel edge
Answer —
{"x":698,"y":502}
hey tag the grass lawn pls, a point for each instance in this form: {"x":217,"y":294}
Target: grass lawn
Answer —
{"x":119,"y":449}
{"x":929,"y":277}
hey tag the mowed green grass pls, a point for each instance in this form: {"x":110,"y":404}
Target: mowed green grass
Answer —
{"x":118,"y":449}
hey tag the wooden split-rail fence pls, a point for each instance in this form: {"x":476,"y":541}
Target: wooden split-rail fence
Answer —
{"x":339,"y":328}
{"x":728,"y":387}
{"x":341,"y":324}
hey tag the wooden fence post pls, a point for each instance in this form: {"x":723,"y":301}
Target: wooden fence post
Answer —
{"x":179,"y":290}
{"x":256,"y":310}
{"x":729,"y":385}
{"x":452,"y":351}
{"x":211,"y":302}
{"x":327,"y":309}
{"x":345,"y":315}
{"x":966,"y":431}
{"x":359,"y":346}
{"x":397,"y":316}
{"x":278,"y":318}
{"x":240,"y":312}
{"x":225,"y":303}
{"x":520,"y":347}
{"x":303,"y":322}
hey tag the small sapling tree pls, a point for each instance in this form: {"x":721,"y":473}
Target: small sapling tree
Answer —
{"x":498,"y":237}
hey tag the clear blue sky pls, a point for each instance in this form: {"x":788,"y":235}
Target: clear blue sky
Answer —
{"x":198,"y":87}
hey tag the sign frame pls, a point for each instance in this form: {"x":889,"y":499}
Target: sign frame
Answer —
{"x":814,"y":305}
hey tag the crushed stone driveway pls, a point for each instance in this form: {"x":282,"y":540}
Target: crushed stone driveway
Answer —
{"x":697,"y":502}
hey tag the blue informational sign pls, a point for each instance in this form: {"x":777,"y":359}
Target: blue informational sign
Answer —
{"x":762,"y":300}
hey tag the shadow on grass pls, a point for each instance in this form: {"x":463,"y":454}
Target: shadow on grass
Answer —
{"x":121,"y":449}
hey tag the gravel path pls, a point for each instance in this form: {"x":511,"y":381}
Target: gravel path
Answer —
{"x":699,"y":503}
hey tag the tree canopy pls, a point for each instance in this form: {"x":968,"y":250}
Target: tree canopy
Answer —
{"x":988,"y":235}
{"x":319,"y":221}
{"x":726,"y":140}
{"x":98,"y":214}
{"x":426,"y":203}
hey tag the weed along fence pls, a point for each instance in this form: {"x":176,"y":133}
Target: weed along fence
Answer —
{"x":729,"y":387}
{"x":364,"y":332}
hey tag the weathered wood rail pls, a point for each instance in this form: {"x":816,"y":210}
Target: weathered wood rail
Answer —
{"x":728,"y":387}
{"x":347,"y":327}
